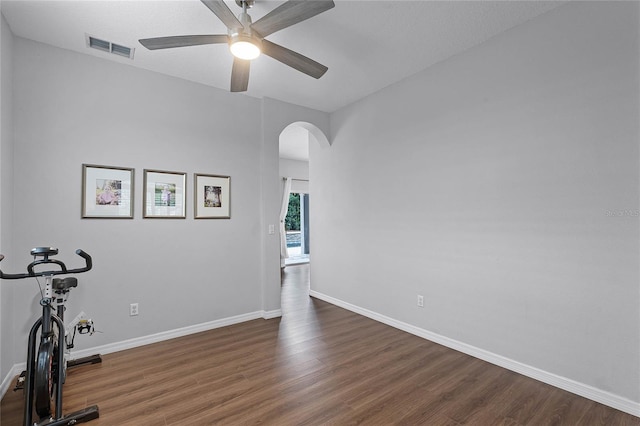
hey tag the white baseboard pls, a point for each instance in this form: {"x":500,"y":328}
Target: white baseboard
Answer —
{"x":272,"y":314}
{"x":7,"y":382}
{"x":594,"y":394}
{"x":146,"y":340}
{"x":172,"y":334}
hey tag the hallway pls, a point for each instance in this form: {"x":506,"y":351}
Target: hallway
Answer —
{"x":295,"y":290}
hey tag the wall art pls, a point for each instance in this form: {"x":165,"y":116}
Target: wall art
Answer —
{"x":164,"y":194}
{"x":107,"y":192}
{"x":212,"y":197}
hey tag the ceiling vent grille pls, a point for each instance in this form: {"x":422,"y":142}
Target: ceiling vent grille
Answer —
{"x":109,"y":47}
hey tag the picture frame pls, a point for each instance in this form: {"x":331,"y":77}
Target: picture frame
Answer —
{"x":212,"y":196}
{"x":164,"y":194}
{"x":107,"y":192}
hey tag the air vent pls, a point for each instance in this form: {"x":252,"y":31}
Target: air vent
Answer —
{"x":107,"y":46}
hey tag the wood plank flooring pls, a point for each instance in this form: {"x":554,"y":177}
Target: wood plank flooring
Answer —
{"x":318,"y":364}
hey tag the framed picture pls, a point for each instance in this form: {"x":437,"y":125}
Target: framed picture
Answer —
{"x":164,"y":194}
{"x":212,"y":197}
{"x":107,"y":192}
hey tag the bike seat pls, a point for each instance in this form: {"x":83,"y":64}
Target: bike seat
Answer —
{"x":63,"y":284}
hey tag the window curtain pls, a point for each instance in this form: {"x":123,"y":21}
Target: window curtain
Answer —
{"x":283,"y":214}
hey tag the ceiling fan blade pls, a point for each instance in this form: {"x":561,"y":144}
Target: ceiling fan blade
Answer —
{"x":293,"y":59}
{"x":240,"y":75}
{"x":290,"y":13}
{"x":182,"y":41}
{"x":222,"y":11}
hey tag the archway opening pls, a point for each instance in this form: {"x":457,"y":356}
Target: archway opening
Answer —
{"x":295,"y":227}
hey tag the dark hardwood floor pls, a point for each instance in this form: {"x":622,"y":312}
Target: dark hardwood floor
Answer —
{"x":318,"y":364}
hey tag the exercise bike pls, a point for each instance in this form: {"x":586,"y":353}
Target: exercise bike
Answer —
{"x":47,"y":363}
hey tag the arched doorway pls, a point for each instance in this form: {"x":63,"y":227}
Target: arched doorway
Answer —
{"x":295,"y":226}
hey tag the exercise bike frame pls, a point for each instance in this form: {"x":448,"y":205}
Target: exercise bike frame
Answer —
{"x":31,"y":349}
{"x":46,"y":326}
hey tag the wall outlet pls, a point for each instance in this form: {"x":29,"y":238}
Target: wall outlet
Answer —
{"x":421,"y":301}
{"x":133,"y":309}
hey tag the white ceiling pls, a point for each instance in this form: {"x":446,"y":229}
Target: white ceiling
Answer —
{"x":366,"y":44}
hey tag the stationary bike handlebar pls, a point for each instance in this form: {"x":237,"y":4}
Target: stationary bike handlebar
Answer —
{"x":62,"y":267}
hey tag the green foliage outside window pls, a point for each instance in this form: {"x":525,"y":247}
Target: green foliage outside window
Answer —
{"x":292,"y":221}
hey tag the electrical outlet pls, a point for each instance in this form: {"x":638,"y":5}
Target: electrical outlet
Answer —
{"x":133,"y":309}
{"x":421,"y":301}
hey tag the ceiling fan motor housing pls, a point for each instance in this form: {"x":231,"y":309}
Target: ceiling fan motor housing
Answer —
{"x":247,"y":3}
{"x":246,"y":22}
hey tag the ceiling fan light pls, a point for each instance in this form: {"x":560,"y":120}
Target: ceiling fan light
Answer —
{"x":244,"y":50}
{"x":244,"y":46}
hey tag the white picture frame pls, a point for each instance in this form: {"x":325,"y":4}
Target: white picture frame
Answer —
{"x":164,"y":195}
{"x":107,"y":192}
{"x":212,"y":196}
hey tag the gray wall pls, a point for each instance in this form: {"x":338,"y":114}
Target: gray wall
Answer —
{"x":6,"y":191}
{"x":503,"y":185}
{"x":72,"y":109}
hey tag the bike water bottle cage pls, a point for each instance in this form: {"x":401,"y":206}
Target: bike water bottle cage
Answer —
{"x":62,"y":285}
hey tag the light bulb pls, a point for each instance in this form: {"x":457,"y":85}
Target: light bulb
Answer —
{"x":244,"y":50}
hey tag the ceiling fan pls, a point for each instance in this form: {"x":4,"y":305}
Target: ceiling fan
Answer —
{"x":247,"y":40}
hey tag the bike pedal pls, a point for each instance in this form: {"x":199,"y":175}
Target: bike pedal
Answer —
{"x":20,"y":381}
